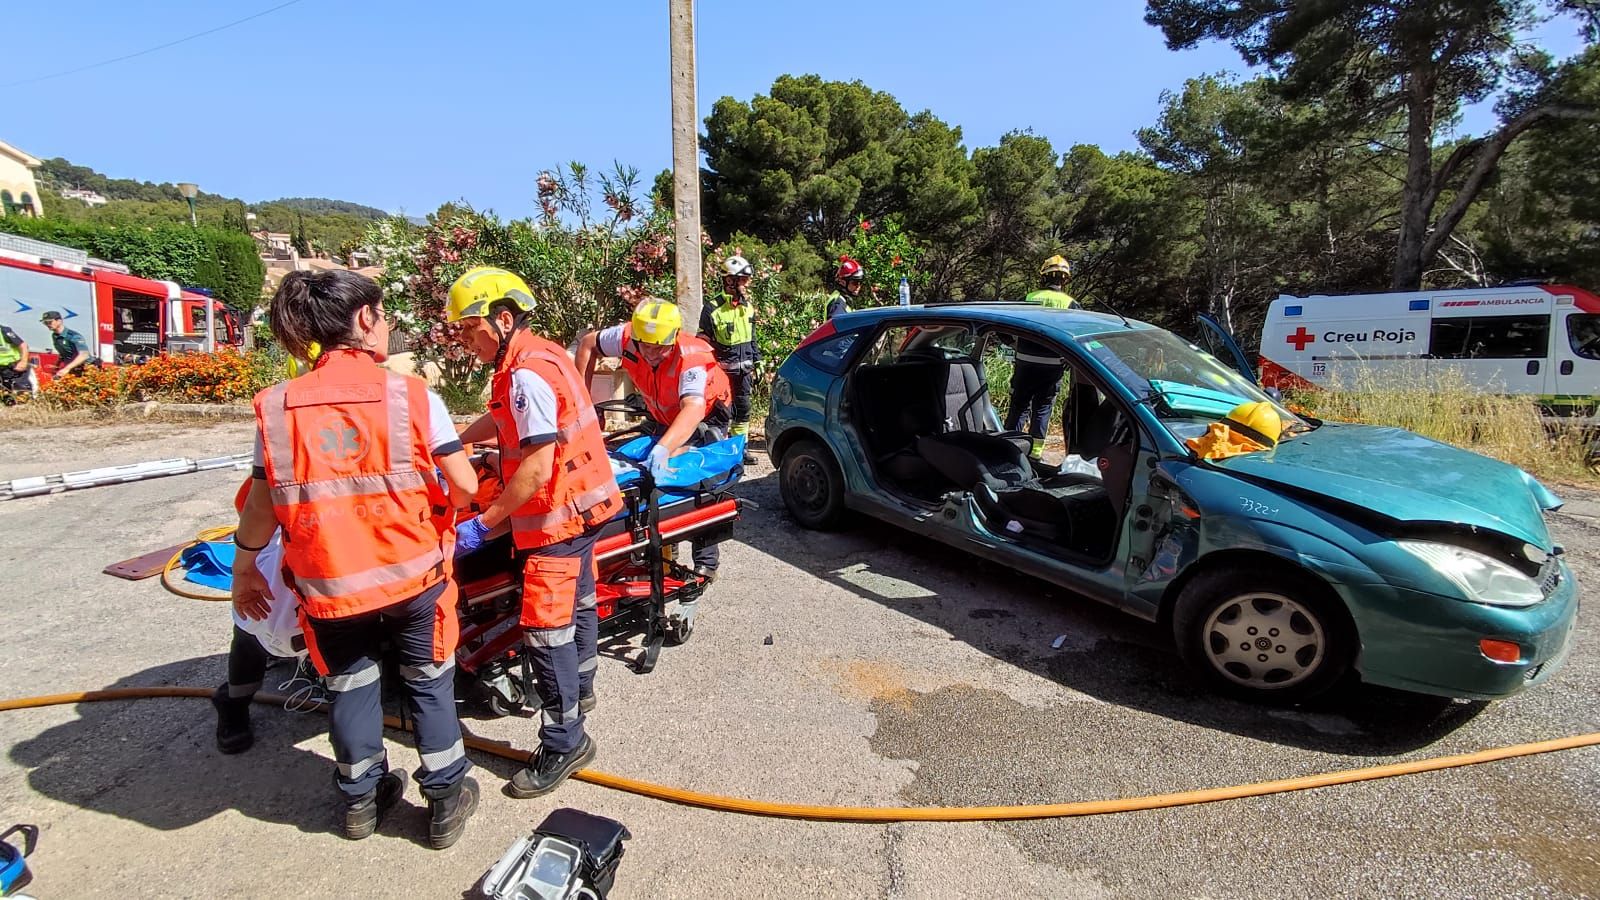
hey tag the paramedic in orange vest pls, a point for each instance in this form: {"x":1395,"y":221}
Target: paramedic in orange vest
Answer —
{"x":345,"y":465}
{"x":559,"y":490}
{"x":685,"y":391}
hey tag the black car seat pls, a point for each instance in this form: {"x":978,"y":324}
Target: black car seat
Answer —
{"x":920,"y":394}
{"x":1071,"y":510}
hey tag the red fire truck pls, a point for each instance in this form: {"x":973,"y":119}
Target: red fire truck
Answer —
{"x":125,"y":318}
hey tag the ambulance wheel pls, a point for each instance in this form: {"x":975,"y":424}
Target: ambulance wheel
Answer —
{"x":812,"y":486}
{"x":679,"y":630}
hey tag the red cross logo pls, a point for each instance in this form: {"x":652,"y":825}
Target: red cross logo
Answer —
{"x":1301,"y":338}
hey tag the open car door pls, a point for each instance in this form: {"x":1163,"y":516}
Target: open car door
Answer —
{"x":1216,"y":340}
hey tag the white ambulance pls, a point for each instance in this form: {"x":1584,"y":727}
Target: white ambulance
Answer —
{"x":1540,"y":340}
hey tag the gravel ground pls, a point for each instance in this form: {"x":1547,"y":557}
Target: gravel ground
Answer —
{"x":898,"y":673}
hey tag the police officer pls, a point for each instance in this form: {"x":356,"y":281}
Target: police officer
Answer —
{"x":686,"y":393}
{"x":72,"y":351}
{"x":847,"y":280}
{"x":558,"y":491}
{"x":13,"y":362}
{"x":1036,"y":374}
{"x":730,"y":327}
{"x":346,"y":459}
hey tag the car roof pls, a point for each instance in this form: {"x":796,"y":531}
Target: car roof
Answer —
{"x":1066,"y":324}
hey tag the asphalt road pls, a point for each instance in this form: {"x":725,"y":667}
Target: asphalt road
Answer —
{"x":897,"y":674}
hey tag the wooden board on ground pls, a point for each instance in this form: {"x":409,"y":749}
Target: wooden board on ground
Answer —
{"x":142,"y":567}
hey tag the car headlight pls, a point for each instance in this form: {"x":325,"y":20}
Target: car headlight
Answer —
{"x":1483,"y":579}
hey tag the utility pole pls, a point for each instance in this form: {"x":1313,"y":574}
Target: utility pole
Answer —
{"x":685,"y":164}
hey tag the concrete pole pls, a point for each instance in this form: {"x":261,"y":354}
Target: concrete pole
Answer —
{"x":685,"y":164}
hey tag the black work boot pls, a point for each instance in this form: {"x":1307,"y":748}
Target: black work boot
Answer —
{"x":233,"y":722}
{"x":450,"y":811}
{"x":547,"y":770}
{"x":587,"y":701}
{"x":361,"y":816}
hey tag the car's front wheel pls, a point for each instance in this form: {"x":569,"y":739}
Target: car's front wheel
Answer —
{"x":812,"y":485}
{"x":1266,"y":636}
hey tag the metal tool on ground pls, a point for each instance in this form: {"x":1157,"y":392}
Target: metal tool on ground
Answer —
{"x":88,"y":478}
{"x":571,"y":855}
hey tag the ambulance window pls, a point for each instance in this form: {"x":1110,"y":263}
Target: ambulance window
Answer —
{"x":1490,"y":337}
{"x":1583,"y":333}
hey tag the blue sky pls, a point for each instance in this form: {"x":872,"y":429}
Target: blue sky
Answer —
{"x":404,"y":104}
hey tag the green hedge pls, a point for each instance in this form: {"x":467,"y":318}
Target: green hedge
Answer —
{"x":224,"y":261}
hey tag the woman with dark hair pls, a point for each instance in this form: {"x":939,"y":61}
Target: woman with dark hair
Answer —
{"x":348,"y":463}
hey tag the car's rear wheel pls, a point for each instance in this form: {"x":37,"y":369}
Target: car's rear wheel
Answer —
{"x":1266,"y":636}
{"x":812,"y":485}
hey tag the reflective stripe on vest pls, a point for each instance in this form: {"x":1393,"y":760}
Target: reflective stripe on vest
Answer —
{"x":734,"y":325}
{"x":1038,"y":360}
{"x":582,"y":491}
{"x":10,"y":354}
{"x":350,"y":475}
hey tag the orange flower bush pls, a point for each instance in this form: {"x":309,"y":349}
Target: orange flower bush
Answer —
{"x":226,"y":376}
{"x":94,"y":388}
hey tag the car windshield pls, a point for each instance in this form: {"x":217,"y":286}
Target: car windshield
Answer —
{"x":1187,"y":387}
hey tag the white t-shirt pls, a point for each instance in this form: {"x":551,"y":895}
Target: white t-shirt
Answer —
{"x":691,"y":382}
{"x":443,"y":439}
{"x":282,"y":625}
{"x":533,"y":408}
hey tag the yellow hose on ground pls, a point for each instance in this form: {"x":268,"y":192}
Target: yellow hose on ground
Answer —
{"x":886,"y":814}
{"x":210,"y":534}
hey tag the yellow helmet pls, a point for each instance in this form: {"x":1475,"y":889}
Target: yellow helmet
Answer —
{"x":1256,"y":420}
{"x":1057,"y":263}
{"x":478,"y":289}
{"x":656,"y":322}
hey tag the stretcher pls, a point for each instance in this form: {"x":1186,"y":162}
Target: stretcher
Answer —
{"x":641,"y":589}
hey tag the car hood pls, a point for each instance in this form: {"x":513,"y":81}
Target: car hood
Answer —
{"x":1406,"y":477}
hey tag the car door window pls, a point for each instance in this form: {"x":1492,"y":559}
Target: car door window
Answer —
{"x":833,"y":354}
{"x":898,"y":343}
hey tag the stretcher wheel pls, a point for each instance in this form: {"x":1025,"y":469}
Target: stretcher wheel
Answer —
{"x":501,"y":707}
{"x":679,"y":630}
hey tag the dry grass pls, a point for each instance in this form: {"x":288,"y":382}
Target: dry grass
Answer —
{"x":1512,"y":429}
{"x":45,"y":415}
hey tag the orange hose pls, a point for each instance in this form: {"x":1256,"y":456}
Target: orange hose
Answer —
{"x":883,"y":814}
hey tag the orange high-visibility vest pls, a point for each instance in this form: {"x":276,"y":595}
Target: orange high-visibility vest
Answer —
{"x":659,"y":385}
{"x":582,"y":490}
{"x":353,"y":486}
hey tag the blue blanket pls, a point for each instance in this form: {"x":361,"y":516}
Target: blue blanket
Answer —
{"x":708,"y":468}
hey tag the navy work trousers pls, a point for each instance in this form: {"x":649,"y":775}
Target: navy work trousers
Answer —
{"x":564,"y":658}
{"x":1033,"y":396}
{"x":349,"y":648}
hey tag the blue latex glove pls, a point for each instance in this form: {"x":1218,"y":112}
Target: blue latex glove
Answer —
{"x":470,"y":535}
{"x":444,"y":485}
{"x":657,"y":461}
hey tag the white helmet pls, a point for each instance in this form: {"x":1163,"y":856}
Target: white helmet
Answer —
{"x":736,"y":266}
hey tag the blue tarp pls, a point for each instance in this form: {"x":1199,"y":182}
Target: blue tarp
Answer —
{"x":209,"y":563}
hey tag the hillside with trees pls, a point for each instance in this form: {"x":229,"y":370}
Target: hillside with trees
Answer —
{"x":330,"y":226}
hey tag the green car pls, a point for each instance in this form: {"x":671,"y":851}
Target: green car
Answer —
{"x":1345,"y":549}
